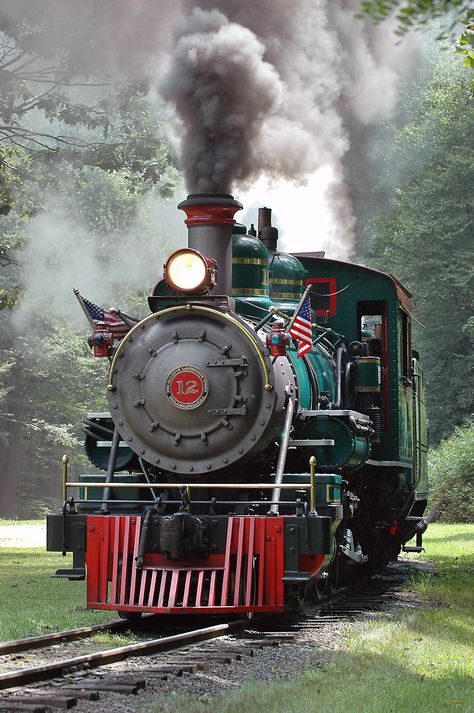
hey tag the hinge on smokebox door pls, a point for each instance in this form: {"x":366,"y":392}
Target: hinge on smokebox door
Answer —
{"x":240,"y":361}
{"x":240,"y":411}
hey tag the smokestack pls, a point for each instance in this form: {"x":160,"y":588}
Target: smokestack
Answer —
{"x":210,"y":219}
{"x":267,"y":233}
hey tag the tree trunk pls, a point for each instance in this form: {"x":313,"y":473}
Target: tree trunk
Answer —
{"x":434,"y":512}
{"x":11,"y":459}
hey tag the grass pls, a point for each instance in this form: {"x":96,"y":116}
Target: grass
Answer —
{"x":415,"y":660}
{"x":33,"y":603}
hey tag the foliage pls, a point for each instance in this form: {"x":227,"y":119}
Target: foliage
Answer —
{"x":81,"y":150}
{"x":412,"y":13}
{"x":50,"y":85}
{"x":451,"y":475}
{"x":425,"y":239}
{"x":41,"y":411}
{"x":465,"y":45}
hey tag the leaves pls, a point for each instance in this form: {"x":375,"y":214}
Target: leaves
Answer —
{"x":451,"y":474}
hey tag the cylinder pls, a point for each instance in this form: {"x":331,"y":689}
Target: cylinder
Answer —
{"x":210,"y":219}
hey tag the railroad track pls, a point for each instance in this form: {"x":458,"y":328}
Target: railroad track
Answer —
{"x":186,"y":655}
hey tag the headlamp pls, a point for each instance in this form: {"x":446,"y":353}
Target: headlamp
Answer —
{"x":187,"y":270}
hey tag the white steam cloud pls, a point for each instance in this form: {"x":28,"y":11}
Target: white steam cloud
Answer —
{"x":61,"y":252}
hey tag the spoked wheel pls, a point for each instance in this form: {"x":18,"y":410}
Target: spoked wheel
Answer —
{"x":333,"y":579}
{"x":315,"y":590}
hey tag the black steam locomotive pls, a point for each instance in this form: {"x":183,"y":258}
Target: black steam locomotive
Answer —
{"x":266,"y":438}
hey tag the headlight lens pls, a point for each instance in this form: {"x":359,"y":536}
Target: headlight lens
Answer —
{"x":186,"y":270}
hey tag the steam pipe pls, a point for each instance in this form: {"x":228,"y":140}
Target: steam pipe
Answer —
{"x":338,"y":401}
{"x":114,"y":448}
{"x":347,"y":381}
{"x":267,"y":233}
{"x":264,"y":219}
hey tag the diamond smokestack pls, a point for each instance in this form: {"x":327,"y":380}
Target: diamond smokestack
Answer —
{"x":210,"y":219}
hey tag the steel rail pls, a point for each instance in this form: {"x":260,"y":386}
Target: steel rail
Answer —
{"x":22,"y":677}
{"x":45,"y":640}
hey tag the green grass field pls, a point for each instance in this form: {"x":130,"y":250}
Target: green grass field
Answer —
{"x":33,"y":603}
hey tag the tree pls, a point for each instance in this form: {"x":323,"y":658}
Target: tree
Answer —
{"x":451,"y":474}
{"x":49,"y":379}
{"x":415,"y":14}
{"x":410,"y":14}
{"x":426,"y":239}
{"x":88,"y":149}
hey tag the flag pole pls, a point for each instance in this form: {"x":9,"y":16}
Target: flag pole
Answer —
{"x":126,"y":318}
{"x":295,"y":313}
{"x":83,"y":307}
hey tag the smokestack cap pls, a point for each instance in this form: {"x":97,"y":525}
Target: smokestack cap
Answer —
{"x":210,"y":209}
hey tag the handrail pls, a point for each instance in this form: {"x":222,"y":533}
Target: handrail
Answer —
{"x":280,"y":469}
{"x":227,"y":486}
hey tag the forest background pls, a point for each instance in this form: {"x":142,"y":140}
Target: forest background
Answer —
{"x":90,"y":151}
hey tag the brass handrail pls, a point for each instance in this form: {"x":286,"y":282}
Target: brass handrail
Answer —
{"x":227,"y":486}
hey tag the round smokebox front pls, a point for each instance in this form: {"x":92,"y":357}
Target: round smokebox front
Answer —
{"x":188,"y":390}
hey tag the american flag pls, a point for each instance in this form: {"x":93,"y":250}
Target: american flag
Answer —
{"x":114,"y":324}
{"x":302,"y":329}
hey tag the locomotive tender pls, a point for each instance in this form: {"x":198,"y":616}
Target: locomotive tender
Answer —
{"x":239,"y":475}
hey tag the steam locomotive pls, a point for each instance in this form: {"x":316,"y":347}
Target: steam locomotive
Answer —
{"x":238,"y":471}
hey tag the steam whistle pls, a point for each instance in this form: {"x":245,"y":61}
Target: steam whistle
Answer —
{"x":278,"y":339}
{"x":100,"y":340}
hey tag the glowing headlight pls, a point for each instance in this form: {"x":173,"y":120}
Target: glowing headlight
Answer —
{"x":186,"y":270}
